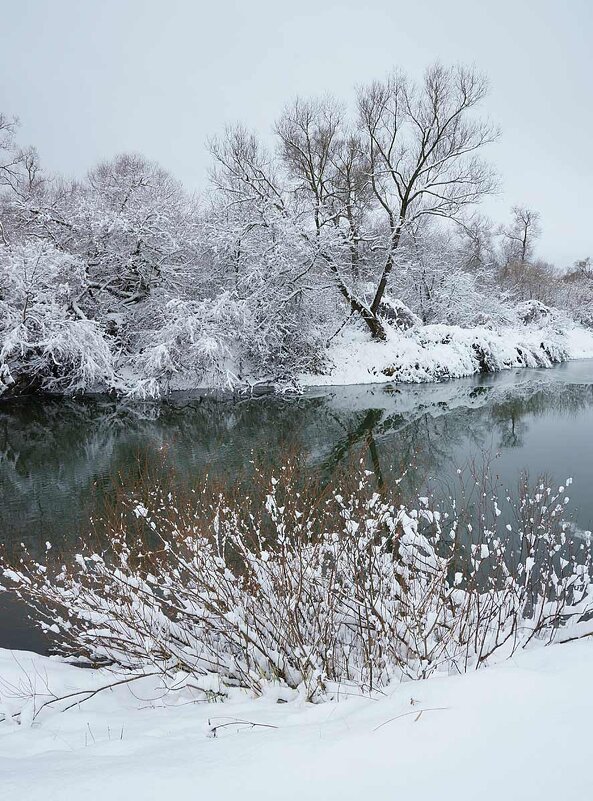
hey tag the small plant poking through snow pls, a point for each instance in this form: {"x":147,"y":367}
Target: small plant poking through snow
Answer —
{"x":311,"y":590}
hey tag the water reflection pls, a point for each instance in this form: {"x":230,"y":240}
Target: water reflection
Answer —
{"x":58,"y":458}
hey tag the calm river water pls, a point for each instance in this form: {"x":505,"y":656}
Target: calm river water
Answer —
{"x":59,"y":458}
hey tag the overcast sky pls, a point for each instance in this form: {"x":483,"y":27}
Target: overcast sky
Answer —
{"x":91,"y":78}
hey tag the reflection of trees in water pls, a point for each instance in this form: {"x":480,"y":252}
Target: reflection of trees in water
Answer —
{"x":59,"y":457}
{"x":416,"y":445}
{"x":509,"y":415}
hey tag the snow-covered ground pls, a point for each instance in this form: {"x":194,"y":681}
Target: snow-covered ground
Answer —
{"x":436,"y":352}
{"x":518,"y":730}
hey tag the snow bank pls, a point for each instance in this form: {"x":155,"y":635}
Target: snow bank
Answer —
{"x":579,"y":342}
{"x":438,"y":352}
{"x":516,"y":730}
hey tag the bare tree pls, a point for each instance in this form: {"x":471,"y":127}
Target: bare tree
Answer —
{"x":526,"y":278}
{"x":19,"y":166}
{"x":9,"y":155}
{"x":309,"y":138}
{"x":520,"y":235}
{"x":19,"y":172}
{"x":422,"y":148}
{"x":327,"y":172}
{"x":352,"y":192}
{"x":476,"y":244}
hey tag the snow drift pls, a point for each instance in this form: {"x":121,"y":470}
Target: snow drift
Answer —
{"x":439,"y":352}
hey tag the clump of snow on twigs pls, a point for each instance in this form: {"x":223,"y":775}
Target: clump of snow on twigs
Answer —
{"x":313,"y":596}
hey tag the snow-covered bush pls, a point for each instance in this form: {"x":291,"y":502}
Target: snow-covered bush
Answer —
{"x":273,"y":271}
{"x":46,"y":342}
{"x":397,"y":314}
{"x":313,"y":589}
{"x":198,"y":342}
{"x":575,"y":292}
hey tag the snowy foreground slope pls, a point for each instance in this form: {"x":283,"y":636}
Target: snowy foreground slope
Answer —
{"x":518,"y":730}
{"x":437,"y":352}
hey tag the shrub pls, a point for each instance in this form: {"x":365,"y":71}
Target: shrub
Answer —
{"x":311,"y":588}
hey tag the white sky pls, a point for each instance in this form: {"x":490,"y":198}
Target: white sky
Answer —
{"x":91,"y":78}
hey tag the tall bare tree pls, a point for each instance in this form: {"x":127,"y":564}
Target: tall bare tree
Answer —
{"x":423,"y":145}
{"x":20,"y":175}
{"x":327,"y":171}
{"x":415,"y":154}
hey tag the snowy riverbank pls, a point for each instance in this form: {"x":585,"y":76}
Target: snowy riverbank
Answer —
{"x":436,"y":352}
{"x":421,"y":354}
{"x":519,"y":729}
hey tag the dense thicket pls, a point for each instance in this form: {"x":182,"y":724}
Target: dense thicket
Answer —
{"x":364,"y":217}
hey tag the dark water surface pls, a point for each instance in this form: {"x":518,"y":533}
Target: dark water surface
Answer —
{"x":59,"y":457}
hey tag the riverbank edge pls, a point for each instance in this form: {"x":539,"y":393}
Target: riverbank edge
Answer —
{"x":437,"y":353}
{"x":429,"y":354}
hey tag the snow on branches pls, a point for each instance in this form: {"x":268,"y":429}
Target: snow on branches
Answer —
{"x":312,"y":590}
{"x":45,"y":342}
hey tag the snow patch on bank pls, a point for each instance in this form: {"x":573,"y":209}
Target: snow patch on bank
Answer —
{"x":520,"y":729}
{"x":438,"y":352}
{"x":579,"y":342}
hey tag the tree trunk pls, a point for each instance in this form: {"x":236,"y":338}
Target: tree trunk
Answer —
{"x":396,"y":236}
{"x":374,"y":324}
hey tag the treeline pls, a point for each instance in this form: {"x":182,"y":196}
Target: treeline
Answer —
{"x":360,"y":217}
